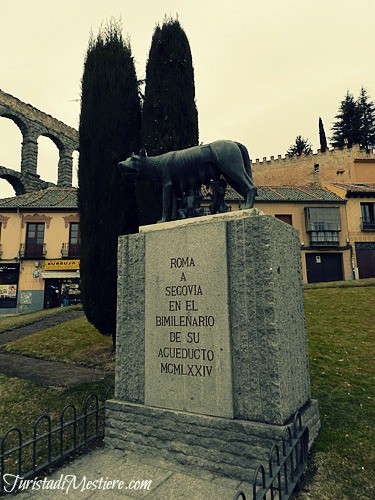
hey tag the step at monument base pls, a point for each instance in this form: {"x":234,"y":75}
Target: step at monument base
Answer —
{"x":228,"y":447}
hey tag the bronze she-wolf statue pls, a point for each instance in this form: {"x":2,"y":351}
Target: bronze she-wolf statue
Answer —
{"x":182,"y":173}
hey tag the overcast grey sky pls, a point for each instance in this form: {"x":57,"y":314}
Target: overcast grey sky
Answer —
{"x":265,"y":70}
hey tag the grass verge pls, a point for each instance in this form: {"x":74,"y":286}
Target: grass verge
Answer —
{"x":340,"y":330}
{"x":22,"y":401}
{"x":76,"y":341}
{"x":16,"y":320}
{"x":340,"y":326}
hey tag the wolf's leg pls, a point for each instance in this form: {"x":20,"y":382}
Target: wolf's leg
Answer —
{"x":244,"y":186}
{"x":167,"y":202}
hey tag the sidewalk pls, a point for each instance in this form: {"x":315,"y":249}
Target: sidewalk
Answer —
{"x":169,"y":481}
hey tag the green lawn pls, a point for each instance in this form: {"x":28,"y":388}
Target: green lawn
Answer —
{"x":340,"y":326}
{"x":22,"y":401}
{"x":75,"y":341}
{"x":11,"y":321}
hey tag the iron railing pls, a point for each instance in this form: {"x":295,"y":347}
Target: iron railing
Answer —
{"x":48,"y":447}
{"x":32,"y":251}
{"x":285,"y":466}
{"x":367,"y":224}
{"x":70,"y":250}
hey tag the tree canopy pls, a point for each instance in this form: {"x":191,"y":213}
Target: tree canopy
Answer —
{"x":355,"y":122}
{"x":299,"y":147}
{"x":109,"y":130}
{"x":170,"y":117}
{"x":347,"y":125}
{"x":366,"y":110}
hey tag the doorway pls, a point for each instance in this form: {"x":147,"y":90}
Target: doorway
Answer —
{"x":60,"y":292}
{"x":324,"y":267}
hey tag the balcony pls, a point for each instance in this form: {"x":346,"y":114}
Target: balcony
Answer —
{"x":367,"y":224}
{"x":324,"y":243}
{"x":324,"y":239}
{"x":70,"y":251}
{"x":33,"y":250}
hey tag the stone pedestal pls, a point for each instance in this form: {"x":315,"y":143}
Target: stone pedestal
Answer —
{"x":211,"y":342}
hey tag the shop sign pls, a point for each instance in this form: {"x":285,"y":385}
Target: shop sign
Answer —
{"x":60,"y":265}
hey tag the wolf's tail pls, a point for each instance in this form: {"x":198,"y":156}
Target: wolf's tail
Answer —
{"x":245,"y":157}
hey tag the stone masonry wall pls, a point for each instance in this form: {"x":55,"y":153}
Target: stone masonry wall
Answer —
{"x":232,"y":448}
{"x":32,"y":124}
{"x":270,"y":365}
{"x":337,"y":165}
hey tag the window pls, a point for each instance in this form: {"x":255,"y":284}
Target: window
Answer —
{"x":34,"y":248}
{"x":9,"y":276}
{"x":324,"y":237}
{"x":285,"y":218}
{"x":74,"y":240}
{"x":368,"y":216}
{"x":323,"y":224}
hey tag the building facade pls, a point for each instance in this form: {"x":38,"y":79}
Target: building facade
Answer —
{"x":350,"y":174}
{"x":360,"y":208}
{"x":319,"y":215}
{"x":353,"y":165}
{"x":40,"y":239}
{"x":40,"y":249}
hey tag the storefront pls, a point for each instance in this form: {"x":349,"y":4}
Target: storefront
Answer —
{"x":62,"y":283}
{"x":9,"y":278}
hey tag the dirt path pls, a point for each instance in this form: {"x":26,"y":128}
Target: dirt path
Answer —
{"x":54,"y":373}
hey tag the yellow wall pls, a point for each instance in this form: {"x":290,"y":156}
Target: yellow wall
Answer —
{"x":27,"y":280}
{"x":363,"y":171}
{"x":10,"y":237}
{"x":296,"y":210}
{"x":354,"y":214}
{"x":339,"y":165}
{"x":56,"y":232}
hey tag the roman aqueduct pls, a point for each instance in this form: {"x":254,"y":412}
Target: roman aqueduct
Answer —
{"x":33,"y":124}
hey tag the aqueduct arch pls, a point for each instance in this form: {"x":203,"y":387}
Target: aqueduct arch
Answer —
{"x":33,"y":124}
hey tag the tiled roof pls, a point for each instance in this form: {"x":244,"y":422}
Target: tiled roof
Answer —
{"x":299,"y":194}
{"x":52,"y":197}
{"x":283,"y":193}
{"x":66,"y":198}
{"x":356,"y":188}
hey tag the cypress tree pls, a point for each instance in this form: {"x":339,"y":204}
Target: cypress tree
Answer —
{"x":109,"y":131}
{"x":170,"y":117}
{"x":322,"y":137}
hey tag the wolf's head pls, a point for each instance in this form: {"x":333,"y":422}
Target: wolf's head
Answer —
{"x":133,"y":164}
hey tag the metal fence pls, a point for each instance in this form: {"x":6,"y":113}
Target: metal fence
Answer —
{"x":285,"y":466}
{"x":48,"y":446}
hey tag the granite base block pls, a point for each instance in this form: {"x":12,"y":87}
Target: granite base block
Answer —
{"x":229,"y":447}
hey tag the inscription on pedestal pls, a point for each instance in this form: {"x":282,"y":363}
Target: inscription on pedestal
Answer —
{"x":187,"y":340}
